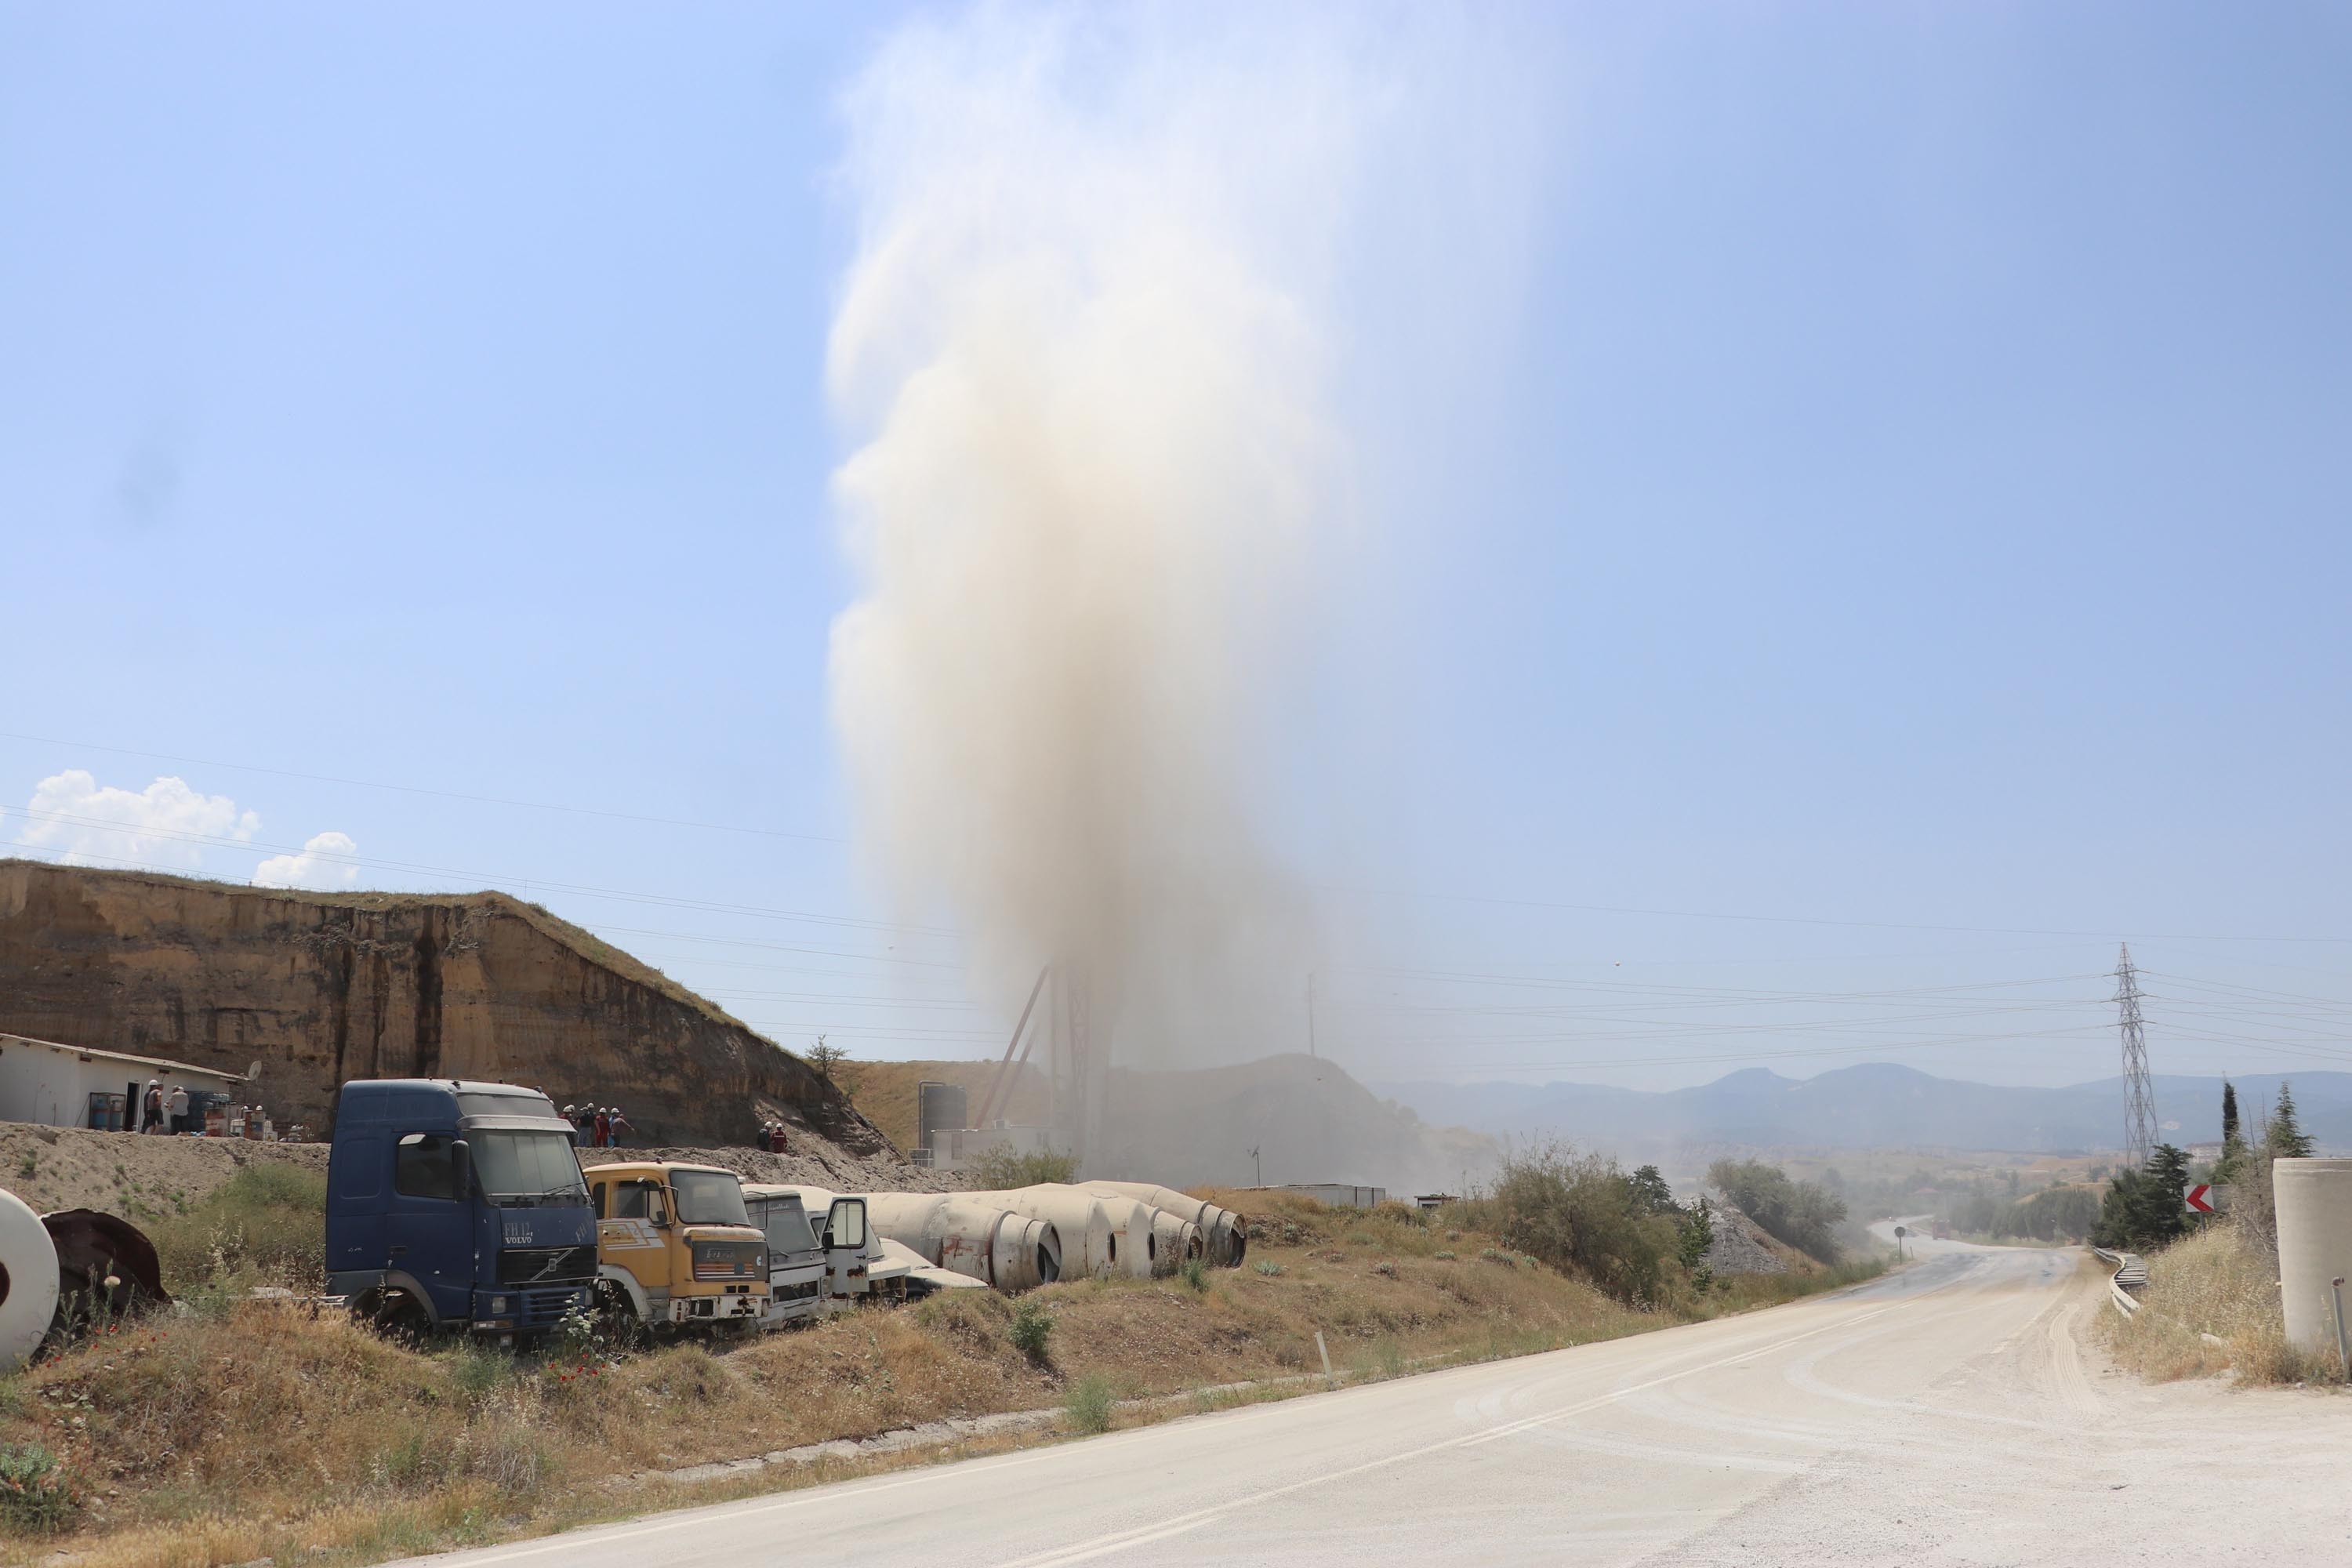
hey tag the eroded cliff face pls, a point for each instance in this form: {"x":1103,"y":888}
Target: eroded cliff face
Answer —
{"x":319,"y":988}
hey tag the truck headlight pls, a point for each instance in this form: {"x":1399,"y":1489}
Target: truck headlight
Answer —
{"x":498,"y":1305}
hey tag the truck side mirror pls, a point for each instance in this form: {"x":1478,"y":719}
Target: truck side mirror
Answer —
{"x":655,"y":1209}
{"x":461,"y":1169}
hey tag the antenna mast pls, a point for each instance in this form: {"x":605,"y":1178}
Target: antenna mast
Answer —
{"x":2140,"y":1097}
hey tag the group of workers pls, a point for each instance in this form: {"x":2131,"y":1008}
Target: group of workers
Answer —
{"x":771,"y":1137}
{"x":165,"y":1111}
{"x":598,"y":1126}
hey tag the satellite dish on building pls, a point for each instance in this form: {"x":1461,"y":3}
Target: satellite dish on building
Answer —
{"x":253,"y":1068}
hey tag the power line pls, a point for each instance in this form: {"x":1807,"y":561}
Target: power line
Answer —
{"x":1789,"y":920}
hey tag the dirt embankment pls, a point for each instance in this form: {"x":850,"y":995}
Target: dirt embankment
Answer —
{"x":822,"y":1165}
{"x":322,"y":988}
{"x":138,"y":1177}
{"x":146,"y":1178}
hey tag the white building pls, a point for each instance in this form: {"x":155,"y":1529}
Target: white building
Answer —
{"x":59,"y":1086}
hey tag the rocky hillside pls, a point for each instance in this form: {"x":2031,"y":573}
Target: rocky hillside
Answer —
{"x":318,"y":988}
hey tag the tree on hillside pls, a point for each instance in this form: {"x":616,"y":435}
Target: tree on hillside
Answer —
{"x":2118,"y":1226}
{"x":2285,"y":1139}
{"x":2231,"y":1164}
{"x":1803,"y":1213}
{"x":832,"y":1064}
{"x":1651,"y":1193}
{"x":2163,"y":1211}
{"x":2144,"y":1210}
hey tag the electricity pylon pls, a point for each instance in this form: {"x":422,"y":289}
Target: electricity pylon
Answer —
{"x":2140,"y":1097}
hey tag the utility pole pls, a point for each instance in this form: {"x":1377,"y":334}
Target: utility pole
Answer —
{"x":1310,"y":1014}
{"x":2140,"y":1097}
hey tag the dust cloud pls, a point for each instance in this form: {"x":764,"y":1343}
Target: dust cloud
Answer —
{"x":1086,"y":357}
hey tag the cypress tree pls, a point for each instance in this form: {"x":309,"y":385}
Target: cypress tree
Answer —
{"x":2230,"y":1137}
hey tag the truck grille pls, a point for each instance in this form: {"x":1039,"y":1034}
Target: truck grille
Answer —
{"x":729,"y":1260}
{"x":546,"y":1265}
{"x":544,"y":1309}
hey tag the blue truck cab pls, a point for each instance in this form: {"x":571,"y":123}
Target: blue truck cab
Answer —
{"x":457,"y":1205}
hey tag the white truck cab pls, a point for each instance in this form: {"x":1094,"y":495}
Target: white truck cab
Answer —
{"x":796,"y":1258}
{"x":857,"y":1267}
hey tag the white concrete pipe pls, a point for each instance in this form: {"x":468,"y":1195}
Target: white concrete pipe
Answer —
{"x":1174,"y":1232}
{"x":28,"y":1280}
{"x":1176,"y":1241}
{"x":1091,"y":1240}
{"x":1224,"y":1234}
{"x":1135,"y":1248}
{"x":971,"y":1235}
{"x":2315,"y":1241}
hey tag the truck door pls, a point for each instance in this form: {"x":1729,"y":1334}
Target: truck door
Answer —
{"x":844,"y":1247}
{"x":356,"y":1168}
{"x":630,"y":1217}
{"x":425,"y":1222}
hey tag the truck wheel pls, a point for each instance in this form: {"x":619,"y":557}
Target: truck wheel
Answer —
{"x":397,"y":1316}
{"x":616,"y":1317}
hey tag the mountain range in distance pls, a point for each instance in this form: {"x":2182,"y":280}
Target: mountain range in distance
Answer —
{"x":1880,"y":1105}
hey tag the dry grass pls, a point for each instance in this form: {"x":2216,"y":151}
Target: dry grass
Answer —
{"x":2219,"y":1281}
{"x":252,"y":1430}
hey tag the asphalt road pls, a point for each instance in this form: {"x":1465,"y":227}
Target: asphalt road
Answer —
{"x":1952,"y":1413}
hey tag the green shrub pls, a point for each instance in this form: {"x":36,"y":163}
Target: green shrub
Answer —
{"x":1032,"y":1329}
{"x":1579,"y":1213}
{"x":1196,"y":1274}
{"x":478,"y":1369}
{"x":1268,"y":1267}
{"x":1089,"y":1404}
{"x":35,"y":1496}
{"x":1003,"y":1167}
{"x":1805,"y":1214}
{"x":269,"y":1219}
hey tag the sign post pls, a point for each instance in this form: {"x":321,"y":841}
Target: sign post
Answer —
{"x":1899,"y":1234}
{"x":2202,"y":1198}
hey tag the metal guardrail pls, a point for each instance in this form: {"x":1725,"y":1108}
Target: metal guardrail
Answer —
{"x":2130,"y":1274}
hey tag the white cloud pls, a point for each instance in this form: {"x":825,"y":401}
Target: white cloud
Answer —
{"x":324,"y":866}
{"x":162,"y":827}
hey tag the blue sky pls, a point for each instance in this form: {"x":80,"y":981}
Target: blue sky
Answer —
{"x":1883,"y":465}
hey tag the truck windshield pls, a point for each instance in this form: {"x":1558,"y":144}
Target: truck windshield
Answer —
{"x":709,"y":1197}
{"x":787,"y":1226}
{"x":527,"y":1165}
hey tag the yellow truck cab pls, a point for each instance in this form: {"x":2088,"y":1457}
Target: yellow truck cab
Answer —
{"x":675,"y":1246}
